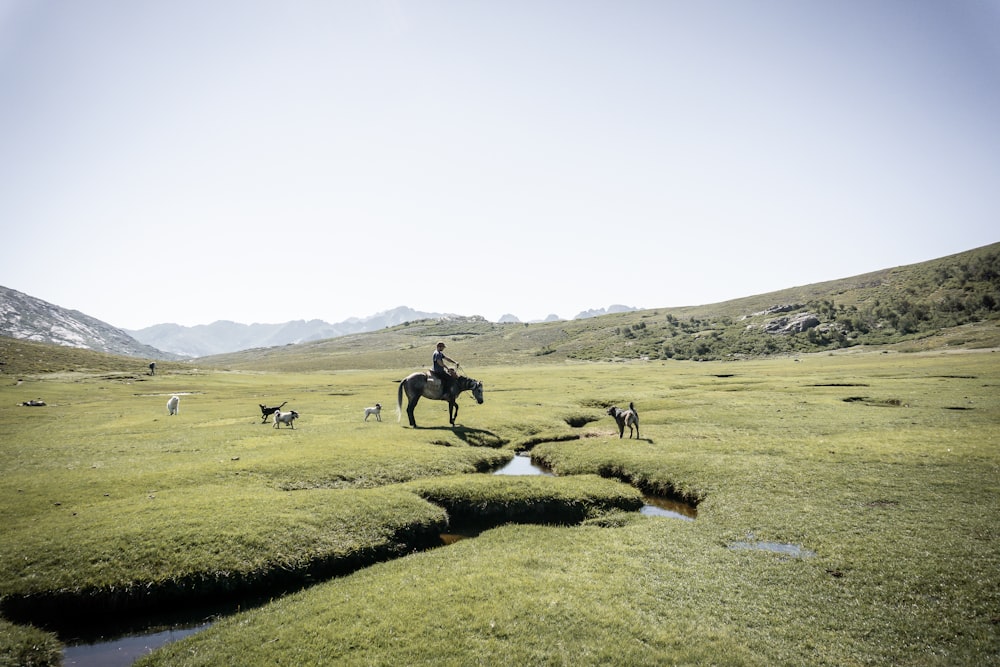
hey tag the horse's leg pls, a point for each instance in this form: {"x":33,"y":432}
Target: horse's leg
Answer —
{"x":410,"y":404}
{"x":452,"y":411}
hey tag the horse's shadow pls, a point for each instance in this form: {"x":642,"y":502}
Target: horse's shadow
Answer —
{"x":640,"y":439}
{"x":474,"y":437}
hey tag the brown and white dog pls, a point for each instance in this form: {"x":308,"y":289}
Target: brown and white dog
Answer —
{"x":625,"y":418}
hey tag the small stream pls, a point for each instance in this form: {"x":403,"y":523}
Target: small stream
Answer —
{"x":522,"y":464}
{"x":674,"y":509}
{"x":123,"y":651}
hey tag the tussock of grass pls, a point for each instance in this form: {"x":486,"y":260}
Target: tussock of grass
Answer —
{"x":221,"y":541}
{"x":26,"y":646}
{"x":512,"y":596}
{"x":529,"y":443}
{"x":644,"y":469}
{"x":486,"y":501}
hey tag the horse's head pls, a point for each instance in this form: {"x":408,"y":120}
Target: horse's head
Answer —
{"x":477,"y":392}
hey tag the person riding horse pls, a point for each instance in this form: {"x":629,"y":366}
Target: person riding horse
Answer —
{"x":439,"y":370}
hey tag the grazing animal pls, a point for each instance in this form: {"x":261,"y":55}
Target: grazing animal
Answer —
{"x":174,"y":405}
{"x":625,"y":418}
{"x":374,"y":410}
{"x":422,"y":383}
{"x":285,"y":418}
{"x":266,"y":412}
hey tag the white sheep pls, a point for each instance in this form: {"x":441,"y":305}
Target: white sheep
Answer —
{"x":173,"y":405}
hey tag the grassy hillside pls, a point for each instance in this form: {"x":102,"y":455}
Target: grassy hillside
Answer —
{"x":949,"y":302}
{"x":24,"y":357}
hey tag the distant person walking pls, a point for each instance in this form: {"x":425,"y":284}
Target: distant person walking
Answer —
{"x":152,"y":368}
{"x":447,"y":375}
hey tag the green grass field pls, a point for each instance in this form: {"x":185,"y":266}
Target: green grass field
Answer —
{"x":881,"y":469}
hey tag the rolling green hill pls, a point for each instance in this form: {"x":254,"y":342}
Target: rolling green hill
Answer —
{"x":949,"y":302}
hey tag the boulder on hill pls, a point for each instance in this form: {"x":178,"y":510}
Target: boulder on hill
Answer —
{"x":792,"y":325}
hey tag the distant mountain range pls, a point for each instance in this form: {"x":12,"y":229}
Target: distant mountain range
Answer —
{"x":223,"y":336}
{"x":26,"y":317}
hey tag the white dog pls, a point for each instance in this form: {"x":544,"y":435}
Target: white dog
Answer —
{"x":286,"y":418}
{"x":374,"y":410}
{"x":173,"y":405}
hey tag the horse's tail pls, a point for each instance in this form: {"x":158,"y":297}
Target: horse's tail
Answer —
{"x":399,"y":401}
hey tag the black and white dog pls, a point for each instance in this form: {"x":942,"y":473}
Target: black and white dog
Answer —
{"x":285,"y":418}
{"x":266,"y":412}
{"x":625,"y":418}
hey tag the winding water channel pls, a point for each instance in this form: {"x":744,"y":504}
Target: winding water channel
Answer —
{"x":655,"y":506}
{"x":122,"y":651}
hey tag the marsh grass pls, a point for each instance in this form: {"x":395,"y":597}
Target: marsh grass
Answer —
{"x":109,"y":500}
{"x":485,"y":502}
{"x":27,"y":646}
{"x":896,"y":496}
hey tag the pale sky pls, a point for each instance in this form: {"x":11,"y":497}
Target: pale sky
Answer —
{"x":190,"y":161}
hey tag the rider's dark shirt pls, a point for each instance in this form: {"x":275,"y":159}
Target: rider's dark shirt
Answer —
{"x":437,"y":361}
